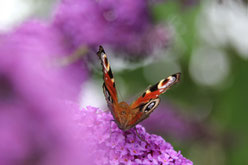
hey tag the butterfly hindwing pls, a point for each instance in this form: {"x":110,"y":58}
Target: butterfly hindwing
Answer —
{"x":149,"y":100}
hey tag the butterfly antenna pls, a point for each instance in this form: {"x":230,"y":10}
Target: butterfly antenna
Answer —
{"x":119,"y":93}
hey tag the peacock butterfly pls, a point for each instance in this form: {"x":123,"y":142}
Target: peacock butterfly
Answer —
{"x":127,"y":116}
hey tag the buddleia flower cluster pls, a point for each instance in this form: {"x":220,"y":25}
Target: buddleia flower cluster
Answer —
{"x":135,"y":146}
{"x":124,"y":25}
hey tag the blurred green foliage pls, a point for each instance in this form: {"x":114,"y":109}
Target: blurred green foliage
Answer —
{"x":229,"y":113}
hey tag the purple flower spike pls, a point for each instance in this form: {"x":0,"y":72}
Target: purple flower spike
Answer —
{"x":118,"y":147}
{"x":122,"y":24}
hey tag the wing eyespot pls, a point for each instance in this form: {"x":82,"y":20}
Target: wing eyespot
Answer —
{"x":151,"y":105}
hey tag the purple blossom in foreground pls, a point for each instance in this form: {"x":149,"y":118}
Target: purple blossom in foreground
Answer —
{"x":34,"y":124}
{"x":113,"y":146}
{"x":122,"y":24}
{"x":35,"y":46}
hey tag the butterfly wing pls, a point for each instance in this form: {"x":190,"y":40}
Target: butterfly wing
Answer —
{"x":149,"y":100}
{"x":109,"y":82}
{"x":109,"y":89}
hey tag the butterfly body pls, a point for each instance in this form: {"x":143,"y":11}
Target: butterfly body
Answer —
{"x":127,"y":116}
{"x":123,"y":114}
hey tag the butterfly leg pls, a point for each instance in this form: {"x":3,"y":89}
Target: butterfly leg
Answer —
{"x":139,"y":135}
{"x":110,"y":128}
{"x":110,"y":123}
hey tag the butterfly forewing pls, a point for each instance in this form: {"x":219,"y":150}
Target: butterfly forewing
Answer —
{"x":109,"y":89}
{"x":109,"y":82}
{"x":154,"y":91}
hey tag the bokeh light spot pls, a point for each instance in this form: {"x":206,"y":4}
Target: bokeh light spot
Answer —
{"x":208,"y":67}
